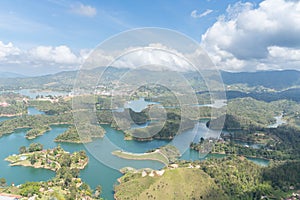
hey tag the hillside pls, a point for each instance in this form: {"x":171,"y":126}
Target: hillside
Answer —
{"x":181,"y":183}
{"x":10,"y":75}
{"x":231,"y":177}
{"x":277,"y":80}
{"x":269,"y":79}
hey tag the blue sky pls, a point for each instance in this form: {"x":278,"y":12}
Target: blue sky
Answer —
{"x":29,"y":28}
{"x":54,"y":22}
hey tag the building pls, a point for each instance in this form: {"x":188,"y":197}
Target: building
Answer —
{"x":4,"y":196}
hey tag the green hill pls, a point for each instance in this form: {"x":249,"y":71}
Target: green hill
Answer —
{"x":180,"y":183}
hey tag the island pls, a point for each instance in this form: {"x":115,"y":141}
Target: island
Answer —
{"x":247,"y":133}
{"x":52,"y":159}
{"x":65,"y":185}
{"x":88,"y":133}
{"x":12,"y":104}
{"x":164,"y":154}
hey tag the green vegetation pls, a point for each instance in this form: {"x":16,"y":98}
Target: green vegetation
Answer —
{"x":12,"y":104}
{"x":123,"y":120}
{"x":88,"y":132}
{"x":66,"y":184}
{"x":288,"y":138}
{"x":39,"y":124}
{"x":156,"y":155}
{"x":181,"y":183}
{"x":53,"y":159}
{"x":37,"y":131}
{"x":238,"y":177}
{"x":169,"y":130}
{"x":169,"y":151}
{"x":52,"y":108}
{"x":165,"y":154}
{"x":248,"y":113}
{"x":58,"y":112}
{"x":231,"y":177}
{"x":33,"y":147}
{"x":251,"y":115}
{"x":34,"y":122}
{"x":283,"y":175}
{"x":2,"y":182}
{"x":251,"y":109}
{"x":279,"y":143}
{"x":269,"y":79}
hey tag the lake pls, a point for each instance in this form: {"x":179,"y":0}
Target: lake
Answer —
{"x":32,"y":93}
{"x":4,"y":118}
{"x":94,"y":174}
{"x":279,"y":121}
{"x":216,"y":104}
{"x":105,"y":172}
{"x":136,"y":105}
{"x":34,"y":111}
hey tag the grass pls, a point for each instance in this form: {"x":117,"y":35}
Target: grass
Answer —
{"x":180,"y":183}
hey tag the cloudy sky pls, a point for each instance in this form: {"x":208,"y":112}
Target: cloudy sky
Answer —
{"x":41,"y":37}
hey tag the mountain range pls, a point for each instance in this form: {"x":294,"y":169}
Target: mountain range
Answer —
{"x":279,"y":81}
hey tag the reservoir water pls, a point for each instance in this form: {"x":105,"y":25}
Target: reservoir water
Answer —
{"x":279,"y":121}
{"x":32,"y":93}
{"x":34,"y":111}
{"x":96,"y":172}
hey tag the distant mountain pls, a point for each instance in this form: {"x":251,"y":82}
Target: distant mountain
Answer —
{"x":10,"y":75}
{"x":278,"y":80}
{"x":289,"y":94}
{"x":269,"y":79}
{"x":60,"y":81}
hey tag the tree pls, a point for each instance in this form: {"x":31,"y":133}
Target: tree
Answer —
{"x":75,"y":172}
{"x":67,"y":179}
{"x":2,"y":182}
{"x":33,"y":159}
{"x":73,"y":191}
{"x":22,"y":150}
{"x":30,"y":188}
{"x":65,"y":160}
{"x":35,"y":147}
{"x":201,"y":140}
{"x":82,"y":154}
{"x":85,"y":187}
{"x":98,"y":191}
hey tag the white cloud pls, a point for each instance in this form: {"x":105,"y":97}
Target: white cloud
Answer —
{"x":195,"y":14}
{"x":59,"y":55}
{"x":40,"y":59}
{"x":284,"y":53}
{"x":84,"y":10}
{"x":7,"y":50}
{"x":248,"y":37}
{"x":153,"y":57}
{"x":56,"y":58}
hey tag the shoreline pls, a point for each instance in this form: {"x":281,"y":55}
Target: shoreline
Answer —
{"x":37,"y":165}
{"x":11,"y":115}
{"x":140,"y":156}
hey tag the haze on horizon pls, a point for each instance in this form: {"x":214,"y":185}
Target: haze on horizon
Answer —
{"x":46,"y":37}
